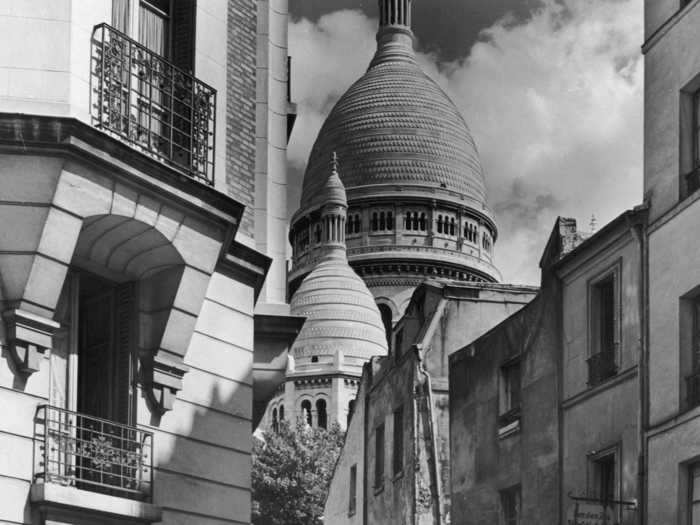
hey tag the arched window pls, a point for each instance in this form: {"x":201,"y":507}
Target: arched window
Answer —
{"x":415,"y":221}
{"x":422,"y":222}
{"x":321,"y":415}
{"x":390,"y":221}
{"x":281,"y":413}
{"x":375,"y":222}
{"x":357,"y":224}
{"x":452,"y":226}
{"x":306,"y":411}
{"x":387,"y":317}
{"x":439,"y":224}
{"x":275,"y":425}
{"x":317,"y":233}
{"x":351,"y":410}
{"x":382,"y":221}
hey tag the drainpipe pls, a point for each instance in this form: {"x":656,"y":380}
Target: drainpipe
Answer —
{"x":638,"y":228}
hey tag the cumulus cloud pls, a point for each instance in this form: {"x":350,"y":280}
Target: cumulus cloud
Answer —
{"x":554,"y":103}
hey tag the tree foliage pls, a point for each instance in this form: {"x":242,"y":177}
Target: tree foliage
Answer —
{"x":292,"y":469}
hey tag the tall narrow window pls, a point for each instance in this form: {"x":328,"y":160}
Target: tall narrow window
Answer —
{"x":602,"y":364}
{"x":390,"y":221}
{"x":154,"y":26}
{"x":510,"y":506}
{"x":604,"y":479}
{"x":696,"y":130}
{"x":398,"y":441}
{"x":275,"y":426}
{"x":452,"y":226}
{"x":352,"y":499}
{"x":509,"y":394}
{"x":351,"y":410}
{"x":120,"y":15}
{"x":375,"y":222}
{"x":281,"y":413}
{"x":439,"y":224}
{"x":694,"y":494}
{"x":693,"y":380}
{"x":422,"y":222}
{"x":379,"y":456}
{"x":382,"y":221}
{"x":321,"y":414}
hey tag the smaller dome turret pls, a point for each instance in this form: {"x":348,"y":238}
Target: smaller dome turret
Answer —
{"x":343,"y":326}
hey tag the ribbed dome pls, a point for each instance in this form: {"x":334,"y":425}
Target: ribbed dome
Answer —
{"x":396,"y":126}
{"x":341,"y":314}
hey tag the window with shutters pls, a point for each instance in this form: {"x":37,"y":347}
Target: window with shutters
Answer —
{"x":603,"y":318}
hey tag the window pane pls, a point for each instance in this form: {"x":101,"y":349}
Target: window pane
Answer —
{"x":398,"y":440}
{"x":379,"y":456}
{"x":153,"y":29}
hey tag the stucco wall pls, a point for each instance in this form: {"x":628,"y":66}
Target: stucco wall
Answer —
{"x":484,"y":463}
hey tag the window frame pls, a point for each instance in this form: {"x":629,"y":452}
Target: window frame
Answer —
{"x":594,"y":346}
{"x":379,"y":456}
{"x":514,"y":492}
{"x":509,"y":413}
{"x":352,"y":496}
{"x":397,"y":452}
{"x":594,"y":460}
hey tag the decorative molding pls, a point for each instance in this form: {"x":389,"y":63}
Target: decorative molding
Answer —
{"x":28,"y":338}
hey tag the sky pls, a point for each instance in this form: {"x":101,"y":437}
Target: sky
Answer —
{"x":551,"y":91}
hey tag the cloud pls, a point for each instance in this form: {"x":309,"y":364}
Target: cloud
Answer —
{"x":554,"y":103}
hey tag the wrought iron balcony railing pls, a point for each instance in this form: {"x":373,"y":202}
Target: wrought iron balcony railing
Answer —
{"x":601,"y":366}
{"x":93,"y":454}
{"x":692,"y":383}
{"x":142,"y":98}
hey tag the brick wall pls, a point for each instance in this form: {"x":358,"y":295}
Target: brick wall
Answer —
{"x":240,"y":107}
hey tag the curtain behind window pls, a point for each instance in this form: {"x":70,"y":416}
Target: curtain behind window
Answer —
{"x":120,"y":15}
{"x":153,"y":29}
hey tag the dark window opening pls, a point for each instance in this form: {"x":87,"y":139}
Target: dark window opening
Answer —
{"x":352,"y":500}
{"x":351,"y":411}
{"x":510,"y":506}
{"x":510,"y":393}
{"x":439,"y":224}
{"x":422,"y":222}
{"x":375,"y":222}
{"x":604,"y":478}
{"x":281,"y":413}
{"x":314,"y":359}
{"x":379,"y":456}
{"x":275,"y":425}
{"x":321,"y":414}
{"x":387,"y":317}
{"x":601,"y":364}
{"x":398,"y":441}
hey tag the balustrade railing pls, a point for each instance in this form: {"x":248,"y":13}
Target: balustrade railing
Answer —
{"x":601,"y":366}
{"x":93,"y":454}
{"x":146,"y":100}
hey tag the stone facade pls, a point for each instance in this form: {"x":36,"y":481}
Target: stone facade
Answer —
{"x":413,"y":485}
{"x":539,"y":422}
{"x":128,"y":330}
{"x":672,"y":417}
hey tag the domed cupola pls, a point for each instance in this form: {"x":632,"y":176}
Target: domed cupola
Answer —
{"x":343,"y":327}
{"x":417,"y":203}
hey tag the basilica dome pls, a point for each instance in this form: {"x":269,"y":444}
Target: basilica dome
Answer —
{"x":393,"y":126}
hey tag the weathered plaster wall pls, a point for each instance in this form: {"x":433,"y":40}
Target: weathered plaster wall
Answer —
{"x":337,"y":508}
{"x":670,"y":65}
{"x":484,"y":463}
